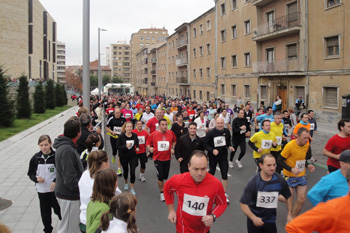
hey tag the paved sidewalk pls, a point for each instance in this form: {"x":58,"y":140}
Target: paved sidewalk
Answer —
{"x":24,"y":214}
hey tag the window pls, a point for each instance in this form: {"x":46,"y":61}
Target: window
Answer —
{"x":194,"y":94}
{"x":233,"y":90}
{"x":208,"y":25}
{"x":208,"y":49}
{"x":270,"y":55}
{"x":201,"y":72}
{"x":223,"y":35}
{"x":270,"y":18}
{"x":194,"y":73}
{"x":222,"y":89}
{"x":246,"y":91}
{"x":332,"y":46}
{"x":247,"y":27}
{"x":208,"y":72}
{"x":194,"y":53}
{"x":247,"y":59}
{"x":200,"y":95}
{"x":263,"y":92}
{"x":299,"y":92}
{"x":234,"y":4}
{"x":223,"y":9}
{"x":147,"y":38}
{"x":201,"y":51}
{"x":234,"y":31}
{"x":234,"y":61}
{"x":223,"y":62}
{"x":330,"y":97}
{"x":331,"y":3}
{"x":208,"y":96}
{"x":201,"y":29}
{"x":194,"y":32}
{"x":292,"y":51}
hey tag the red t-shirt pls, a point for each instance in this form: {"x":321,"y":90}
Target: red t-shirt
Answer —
{"x":336,"y":145}
{"x":195,"y":200}
{"x":110,"y":110}
{"x":140,"y":106}
{"x":127,"y":114}
{"x":142,"y":136}
{"x":153,"y":124}
{"x":191,"y":114}
{"x":162,"y":144}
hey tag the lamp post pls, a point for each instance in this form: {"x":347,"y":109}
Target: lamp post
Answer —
{"x":99,"y":64}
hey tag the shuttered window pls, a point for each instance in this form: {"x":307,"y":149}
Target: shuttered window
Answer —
{"x":330,"y":97}
{"x":332,"y":44}
{"x":292,"y":51}
{"x":263,"y":92}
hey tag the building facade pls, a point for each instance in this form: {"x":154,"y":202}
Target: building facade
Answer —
{"x":119,"y":60}
{"x":61,"y":62}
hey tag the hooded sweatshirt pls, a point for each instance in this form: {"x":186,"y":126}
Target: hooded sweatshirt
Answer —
{"x":68,"y":169}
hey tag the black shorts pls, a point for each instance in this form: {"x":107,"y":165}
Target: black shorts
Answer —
{"x":163,"y":168}
{"x":143,"y":160}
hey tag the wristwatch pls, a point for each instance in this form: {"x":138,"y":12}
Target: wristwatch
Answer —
{"x":214,"y":217}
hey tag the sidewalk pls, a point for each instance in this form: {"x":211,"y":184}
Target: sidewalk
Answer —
{"x":24,"y":214}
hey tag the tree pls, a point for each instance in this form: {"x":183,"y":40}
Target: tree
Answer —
{"x":65,"y":98}
{"x":7,"y":111}
{"x":59,"y":95}
{"x":50,"y":95}
{"x":93,"y":82}
{"x":106,"y":79}
{"x":117,"y":80}
{"x":39,"y":99}
{"x":23,"y":105}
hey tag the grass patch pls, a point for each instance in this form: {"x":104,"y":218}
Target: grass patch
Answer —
{"x":20,"y":125}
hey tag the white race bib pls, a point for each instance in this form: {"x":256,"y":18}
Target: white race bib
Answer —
{"x":110,"y":111}
{"x":157,"y":126}
{"x":186,"y":124}
{"x":163,"y":146}
{"x":194,"y":205}
{"x":243,"y":131}
{"x":312,"y":126}
{"x":300,"y":164}
{"x":191,"y":116}
{"x":219,"y":141}
{"x":142,"y":139}
{"x":266,"y":144}
{"x":130,"y":141}
{"x":127,"y":115}
{"x":267,"y":200}
{"x":279,"y":140}
{"x":248,"y":119}
{"x":117,"y":129}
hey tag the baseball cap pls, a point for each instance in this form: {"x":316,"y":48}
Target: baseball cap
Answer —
{"x":345,"y":156}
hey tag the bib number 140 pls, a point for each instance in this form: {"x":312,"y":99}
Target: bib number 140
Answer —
{"x":194,"y":205}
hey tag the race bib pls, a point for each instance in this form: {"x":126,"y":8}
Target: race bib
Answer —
{"x":117,"y":129}
{"x":194,"y":205}
{"x":186,"y":124}
{"x":163,"y":146}
{"x":300,"y":164}
{"x":248,"y":119}
{"x":266,"y":144}
{"x":267,"y":200}
{"x":279,"y":140}
{"x":243,"y":131}
{"x":312,"y":126}
{"x":219,"y":141}
{"x":191,"y":116}
{"x":127,"y":115}
{"x":110,"y":111}
{"x":157,"y":126}
{"x":141,"y":139}
{"x":130,"y":141}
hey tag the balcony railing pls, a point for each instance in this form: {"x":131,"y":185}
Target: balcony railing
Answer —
{"x":279,"y":24}
{"x":282,"y":65}
{"x":182,"y":79}
{"x":181,"y":61}
{"x":181,"y":43}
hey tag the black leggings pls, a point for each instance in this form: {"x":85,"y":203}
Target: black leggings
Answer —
{"x":48,"y":201}
{"x":242,"y":144}
{"x":223,"y":164}
{"x":266,"y":228}
{"x":114,"y":146}
{"x":127,"y":161}
{"x":143,"y":160}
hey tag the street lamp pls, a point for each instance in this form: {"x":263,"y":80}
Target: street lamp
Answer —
{"x":99,"y":64}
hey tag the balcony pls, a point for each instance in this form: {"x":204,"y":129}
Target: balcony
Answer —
{"x":260,"y":3}
{"x":153,"y":84}
{"x":153,"y":60}
{"x":182,"y":80}
{"x":282,"y":26}
{"x":278,"y":66}
{"x":182,"y":43}
{"x":182,"y":62}
{"x":153,"y":71}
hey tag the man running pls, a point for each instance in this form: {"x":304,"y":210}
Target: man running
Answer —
{"x":268,"y":115}
{"x":142,"y":135}
{"x":197,"y":192}
{"x":278,"y":128}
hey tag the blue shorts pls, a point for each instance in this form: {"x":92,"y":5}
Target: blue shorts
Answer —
{"x":296,"y":181}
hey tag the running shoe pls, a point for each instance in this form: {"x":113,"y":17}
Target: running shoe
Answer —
{"x":239,"y":164}
{"x":126,"y":187}
{"x":227,"y":200}
{"x":162,"y":199}
{"x":119,"y":172}
{"x":142,"y":178}
{"x":133,"y":192}
{"x":230,"y":164}
{"x":313,"y":159}
{"x":113,"y":159}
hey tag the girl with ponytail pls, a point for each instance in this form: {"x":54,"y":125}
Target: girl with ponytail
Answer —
{"x":92,"y":143}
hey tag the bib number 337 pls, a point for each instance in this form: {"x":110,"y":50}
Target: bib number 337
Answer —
{"x":267,"y":200}
{"x":194,"y":205}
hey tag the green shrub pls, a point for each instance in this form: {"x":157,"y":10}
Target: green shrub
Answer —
{"x":7,"y":110}
{"x":23,"y":105}
{"x":39,"y":99}
{"x":50,"y":95}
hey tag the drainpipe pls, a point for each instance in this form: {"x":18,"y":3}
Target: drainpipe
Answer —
{"x":216,"y":50}
{"x":306,"y":64}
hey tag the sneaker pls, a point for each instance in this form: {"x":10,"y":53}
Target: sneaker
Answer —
{"x":133,"y":192}
{"x":142,"y":178}
{"x":119,"y":172}
{"x":313,"y":159}
{"x":126,"y":187}
{"x":239,"y":164}
{"x":162,"y":199}
{"x":230,"y":164}
{"x":227,"y":200}
{"x":113,"y":159}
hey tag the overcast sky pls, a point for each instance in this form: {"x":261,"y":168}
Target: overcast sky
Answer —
{"x":120,"y":18}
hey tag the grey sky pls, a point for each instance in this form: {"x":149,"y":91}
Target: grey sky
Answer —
{"x":120,"y":18}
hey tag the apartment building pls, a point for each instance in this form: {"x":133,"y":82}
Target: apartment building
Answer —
{"x":105,"y":70}
{"x":28,"y":41}
{"x":119,"y":60}
{"x":140,"y":39}
{"x":61,"y":62}
{"x":142,"y":70}
{"x":162,"y":70}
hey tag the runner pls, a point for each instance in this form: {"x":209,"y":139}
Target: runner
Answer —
{"x":162,"y":143}
{"x":178,"y":127}
{"x":240,"y":130}
{"x":337,"y":144}
{"x":114,"y":129}
{"x":312,"y":121}
{"x":247,"y":112}
{"x":257,"y":123}
{"x":227,"y":118}
{"x":201,"y":125}
{"x":147,"y":116}
{"x":216,"y":143}
{"x":260,"y":197}
{"x":293,"y":159}
{"x":186,"y":144}
{"x":268,"y":115}
{"x":197,"y":193}
{"x":277,"y":128}
{"x":304,"y":122}
{"x":142,"y":135}
{"x":153,"y":124}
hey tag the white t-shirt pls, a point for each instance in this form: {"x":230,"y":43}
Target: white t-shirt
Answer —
{"x":226,"y":119}
{"x":116,"y":226}
{"x":170,"y":116}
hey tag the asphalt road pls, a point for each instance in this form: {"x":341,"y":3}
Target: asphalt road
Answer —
{"x":152,"y":214}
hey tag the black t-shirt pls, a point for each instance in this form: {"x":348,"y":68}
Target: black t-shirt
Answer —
{"x":115,"y":124}
{"x":287,"y":121}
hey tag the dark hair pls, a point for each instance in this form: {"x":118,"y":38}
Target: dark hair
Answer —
{"x":268,"y":108}
{"x":302,"y":130}
{"x":284,"y":111}
{"x":92,"y":140}
{"x":342,"y":122}
{"x":197,"y":153}
{"x":302,"y":115}
{"x":263,"y":156}
{"x":95,"y":160}
{"x":104,"y":186}
{"x":71,"y":127}
{"x":192,"y":123}
{"x":310,"y":111}
{"x":123,"y":207}
{"x":262,"y":102}
{"x":43,"y":138}
{"x":266,"y":120}
{"x":163,"y":120}
{"x":179,"y":113}
{"x":240,"y":110}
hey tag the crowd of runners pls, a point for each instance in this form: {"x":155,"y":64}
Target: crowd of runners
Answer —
{"x":73,"y":177}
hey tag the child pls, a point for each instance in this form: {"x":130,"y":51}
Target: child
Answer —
{"x":42,"y":171}
{"x":92,"y":143}
{"x":122,"y":209}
